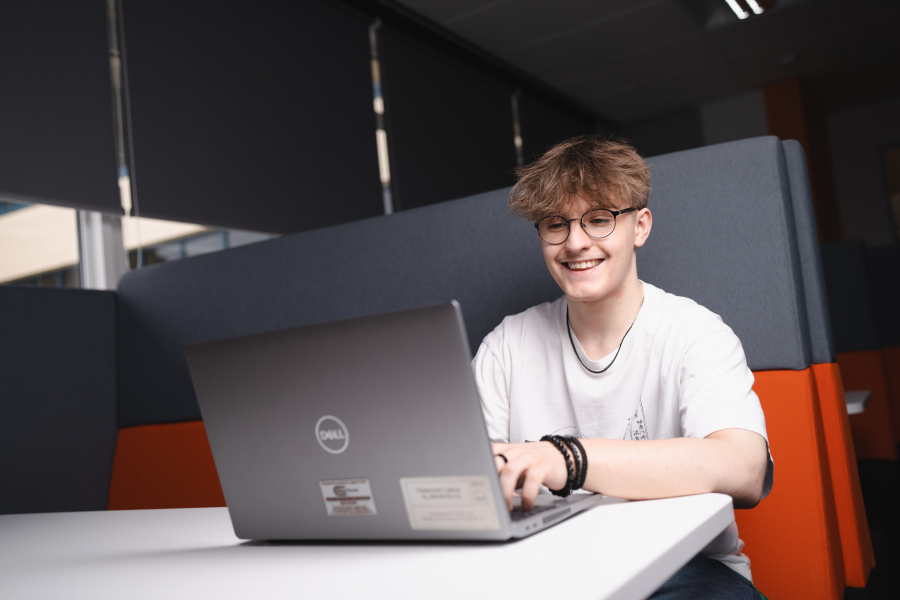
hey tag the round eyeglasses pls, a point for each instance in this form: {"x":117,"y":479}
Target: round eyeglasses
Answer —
{"x":598,"y":223}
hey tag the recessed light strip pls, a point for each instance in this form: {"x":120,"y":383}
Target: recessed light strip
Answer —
{"x":755,"y":7}
{"x":740,"y":12}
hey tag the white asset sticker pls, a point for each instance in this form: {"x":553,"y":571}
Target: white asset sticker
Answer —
{"x":436,"y":503}
{"x":348,"y":497}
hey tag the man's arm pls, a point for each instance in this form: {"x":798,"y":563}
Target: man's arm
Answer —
{"x":730,"y":461}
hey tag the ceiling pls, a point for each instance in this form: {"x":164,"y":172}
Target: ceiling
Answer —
{"x":633,"y":59}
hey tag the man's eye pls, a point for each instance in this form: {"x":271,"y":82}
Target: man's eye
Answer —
{"x":599,"y":222}
{"x":556,"y":226}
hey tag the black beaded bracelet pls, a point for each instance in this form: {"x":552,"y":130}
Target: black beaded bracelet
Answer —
{"x":570,"y":471}
{"x":576,"y":458}
{"x":582,"y":474}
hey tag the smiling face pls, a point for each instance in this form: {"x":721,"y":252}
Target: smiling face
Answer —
{"x":593,"y":270}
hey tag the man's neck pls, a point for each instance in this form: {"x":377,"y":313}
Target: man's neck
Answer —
{"x":600,"y":325}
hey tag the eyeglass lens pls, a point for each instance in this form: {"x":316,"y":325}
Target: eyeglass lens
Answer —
{"x":597,"y":224}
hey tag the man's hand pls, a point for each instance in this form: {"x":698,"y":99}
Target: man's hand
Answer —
{"x":529,"y":466}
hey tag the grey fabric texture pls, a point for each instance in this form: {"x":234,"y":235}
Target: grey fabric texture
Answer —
{"x":724,"y":235}
{"x":470,"y":250}
{"x":849,"y":297}
{"x":58,"y":396}
{"x":884,"y":268}
{"x":821,"y":337}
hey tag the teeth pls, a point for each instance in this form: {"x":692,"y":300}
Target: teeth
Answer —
{"x":586,"y":264}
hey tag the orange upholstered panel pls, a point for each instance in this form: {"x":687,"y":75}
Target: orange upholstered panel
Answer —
{"x":891,"y":359}
{"x":873,"y":432}
{"x":164,"y":466}
{"x":792,"y":537}
{"x":856,"y":544}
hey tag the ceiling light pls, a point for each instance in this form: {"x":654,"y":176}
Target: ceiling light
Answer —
{"x":755,"y":7}
{"x":740,"y":12}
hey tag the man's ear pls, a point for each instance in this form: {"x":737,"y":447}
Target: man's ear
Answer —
{"x":642,"y":225}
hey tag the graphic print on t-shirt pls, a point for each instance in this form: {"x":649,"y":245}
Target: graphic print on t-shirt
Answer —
{"x":567,"y":431}
{"x":637,"y":425}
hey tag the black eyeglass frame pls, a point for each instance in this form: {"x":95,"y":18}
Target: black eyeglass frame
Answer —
{"x":614,"y":213}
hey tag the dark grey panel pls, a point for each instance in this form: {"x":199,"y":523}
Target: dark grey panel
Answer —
{"x":470,"y":250}
{"x":252,"y":118}
{"x":724,"y":235}
{"x":58,"y":396}
{"x":849,"y":297}
{"x":820,"y":334}
{"x":56,"y":121}
{"x":884,"y":269}
{"x":450,"y":125}
{"x":544,"y":125}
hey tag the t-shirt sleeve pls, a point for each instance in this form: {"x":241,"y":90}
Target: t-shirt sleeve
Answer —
{"x":492,"y":388}
{"x":717,"y":391}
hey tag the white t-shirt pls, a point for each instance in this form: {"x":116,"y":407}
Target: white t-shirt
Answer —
{"x":681,"y":372}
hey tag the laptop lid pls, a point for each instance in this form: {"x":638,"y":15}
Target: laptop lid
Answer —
{"x":366,"y":428}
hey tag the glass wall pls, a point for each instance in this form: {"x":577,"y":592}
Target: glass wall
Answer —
{"x":39,"y":243}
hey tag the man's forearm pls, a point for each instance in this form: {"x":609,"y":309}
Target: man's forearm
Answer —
{"x":730,"y":462}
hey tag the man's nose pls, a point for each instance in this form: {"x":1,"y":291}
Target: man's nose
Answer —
{"x":578,"y":239}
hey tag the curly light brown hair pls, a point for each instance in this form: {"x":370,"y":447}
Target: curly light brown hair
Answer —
{"x":606,"y":173}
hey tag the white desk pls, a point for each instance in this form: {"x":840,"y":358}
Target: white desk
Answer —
{"x":857,"y":401}
{"x":618,"y":550}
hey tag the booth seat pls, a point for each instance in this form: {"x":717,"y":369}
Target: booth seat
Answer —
{"x":58,"y":397}
{"x":724,"y":235}
{"x":858,"y":352}
{"x":856,"y":544}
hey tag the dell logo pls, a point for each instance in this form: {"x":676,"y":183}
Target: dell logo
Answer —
{"x":332,"y":434}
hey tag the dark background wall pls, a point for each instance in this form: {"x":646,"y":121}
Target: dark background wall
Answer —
{"x":858,"y":137}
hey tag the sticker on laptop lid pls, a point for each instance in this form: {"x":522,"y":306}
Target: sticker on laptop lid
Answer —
{"x":442,"y":503}
{"x":348,"y":497}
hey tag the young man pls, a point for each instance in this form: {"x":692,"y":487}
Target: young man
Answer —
{"x":654,"y":386}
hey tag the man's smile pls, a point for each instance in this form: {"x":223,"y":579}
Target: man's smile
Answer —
{"x":582,"y":265}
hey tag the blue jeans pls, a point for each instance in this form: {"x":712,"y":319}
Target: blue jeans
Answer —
{"x":704,"y":578}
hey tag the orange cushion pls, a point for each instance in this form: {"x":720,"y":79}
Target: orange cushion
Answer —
{"x":873,"y":433}
{"x":856,"y":544}
{"x":164,"y":466}
{"x":792,"y":537}
{"x":891,"y":359}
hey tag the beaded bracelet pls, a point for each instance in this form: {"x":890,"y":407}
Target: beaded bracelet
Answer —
{"x":576,"y":458}
{"x":582,"y":474}
{"x":570,"y":471}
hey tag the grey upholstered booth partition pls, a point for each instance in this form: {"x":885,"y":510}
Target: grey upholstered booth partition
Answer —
{"x":724,"y":235}
{"x":820,"y":334}
{"x":58,"y":397}
{"x":884,"y":267}
{"x":847,"y":282}
{"x":739,"y":258}
{"x":470,"y":250}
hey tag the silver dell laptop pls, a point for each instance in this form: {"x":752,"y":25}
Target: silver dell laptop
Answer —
{"x":366,"y":428}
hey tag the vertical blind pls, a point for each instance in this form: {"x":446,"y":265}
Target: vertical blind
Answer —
{"x":56,"y":122}
{"x":450,"y":125}
{"x":252,"y":116}
{"x":544,"y":124}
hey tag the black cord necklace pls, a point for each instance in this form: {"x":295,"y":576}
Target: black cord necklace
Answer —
{"x":571,"y":341}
